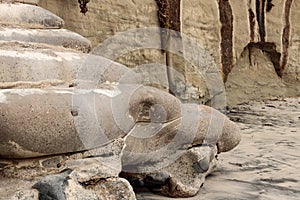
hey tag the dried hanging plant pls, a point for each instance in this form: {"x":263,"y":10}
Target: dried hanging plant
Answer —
{"x":269,"y":5}
{"x":83,"y":6}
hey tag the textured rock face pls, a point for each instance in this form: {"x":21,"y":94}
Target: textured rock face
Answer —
{"x":182,"y":178}
{"x":59,"y":37}
{"x":65,"y":186}
{"x":223,"y":28}
{"x":59,"y":123}
{"x":39,"y":65}
{"x":126,"y":15}
{"x":28,"y":16}
{"x":78,"y":120}
{"x":242,"y":86}
{"x":123,"y":15}
{"x":257,"y":72}
{"x":61,"y":117}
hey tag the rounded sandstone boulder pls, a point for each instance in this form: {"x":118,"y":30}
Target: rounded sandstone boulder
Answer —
{"x":28,"y":16}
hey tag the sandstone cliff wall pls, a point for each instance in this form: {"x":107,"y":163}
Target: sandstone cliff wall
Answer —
{"x":233,"y":32}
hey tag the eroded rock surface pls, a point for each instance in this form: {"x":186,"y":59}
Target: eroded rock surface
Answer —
{"x":265,"y":164}
{"x":223,"y":28}
{"x":72,"y":122}
{"x":28,"y":16}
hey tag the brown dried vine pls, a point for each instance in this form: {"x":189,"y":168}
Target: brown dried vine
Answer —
{"x":269,"y":5}
{"x":83,"y":6}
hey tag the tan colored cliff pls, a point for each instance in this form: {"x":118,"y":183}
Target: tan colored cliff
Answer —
{"x":223,"y":28}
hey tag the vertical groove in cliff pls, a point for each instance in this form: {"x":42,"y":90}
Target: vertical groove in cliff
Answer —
{"x":163,"y":19}
{"x":285,"y":35}
{"x":169,"y":19}
{"x":226,"y":19}
{"x":251,"y":16}
{"x":260,"y":17}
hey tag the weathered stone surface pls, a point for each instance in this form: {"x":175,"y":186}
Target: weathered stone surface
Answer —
{"x":216,"y":128}
{"x":67,"y":186}
{"x":292,"y":73}
{"x":24,"y":66}
{"x":74,"y":190}
{"x":182,"y":177}
{"x":62,"y":70}
{"x":149,"y":105}
{"x":256,"y":79}
{"x":111,"y":188}
{"x":51,"y":110}
{"x":254,"y":75}
{"x":98,"y":163}
{"x":177,"y":156}
{"x":241,"y":30}
{"x":202,"y":68}
{"x":103,"y":164}
{"x":144,"y":109}
{"x":52,"y":114}
{"x":123,"y":21}
{"x":57,"y":37}
{"x":114,"y":188}
{"x":63,"y":187}
{"x":187,"y":174}
{"x":265,"y":163}
{"x":104,"y":18}
{"x":53,"y":186}
{"x":61,"y":120}
{"x":28,"y":16}
{"x":34,"y":2}
{"x":152,"y":147}
{"x":203,"y":25}
{"x":97,"y":115}
{"x":201,"y":20}
{"x":25,"y":195}
{"x":16,"y":188}
{"x":84,"y":175}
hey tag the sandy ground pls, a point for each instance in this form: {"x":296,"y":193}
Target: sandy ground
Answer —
{"x":266,"y":164}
